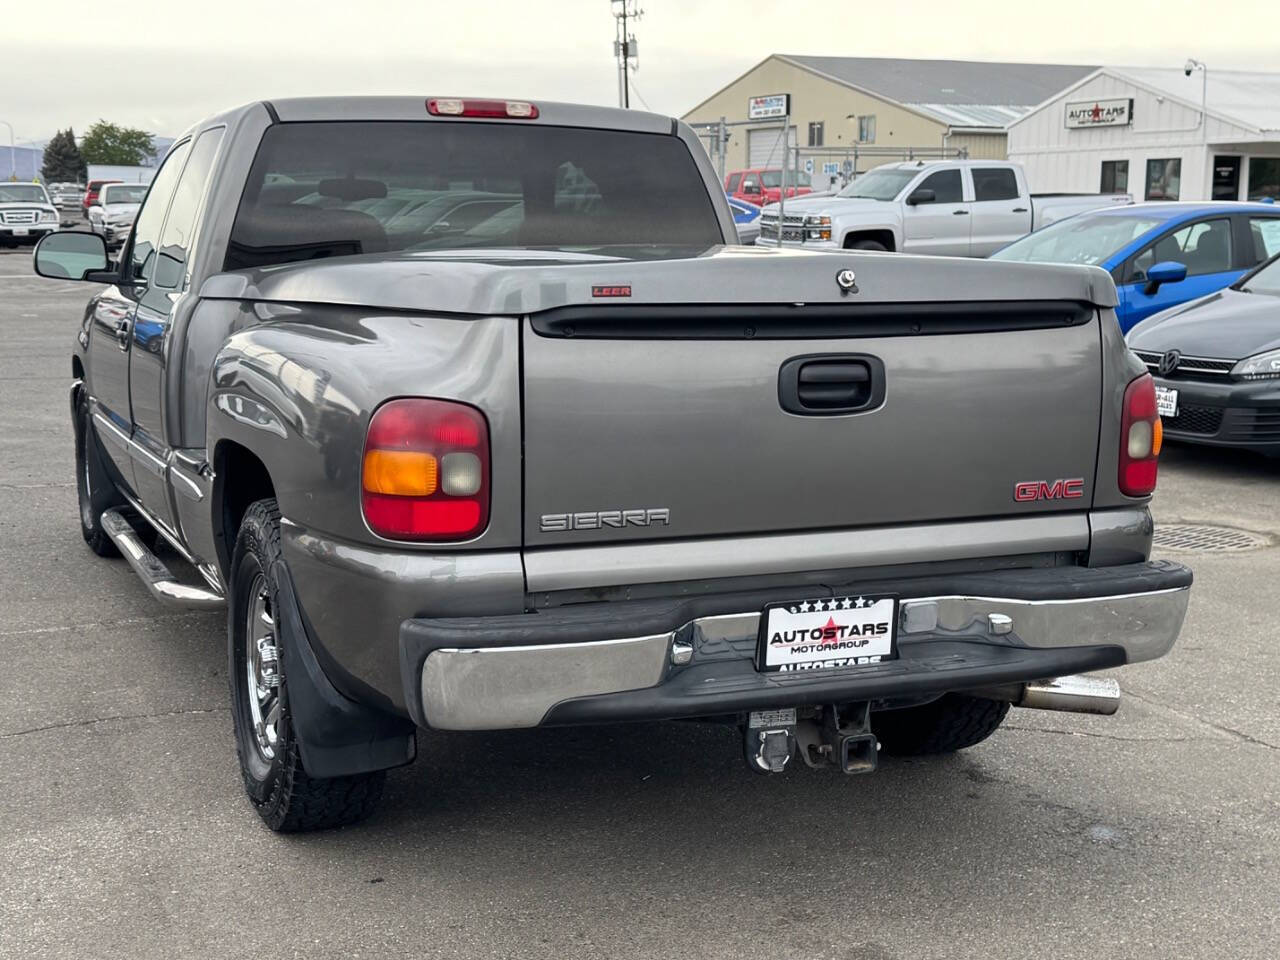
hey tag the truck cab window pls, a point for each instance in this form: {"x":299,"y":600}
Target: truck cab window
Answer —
{"x":946,"y":186}
{"x":175,"y":242}
{"x":994,"y":183}
{"x":330,"y":189}
{"x":146,"y":231}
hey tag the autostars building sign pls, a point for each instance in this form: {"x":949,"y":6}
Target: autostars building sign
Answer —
{"x":1100,"y":113}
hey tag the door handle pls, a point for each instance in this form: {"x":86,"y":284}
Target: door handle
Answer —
{"x":1019,"y":209}
{"x":959,"y":213}
{"x":831,"y":384}
{"x":122,"y":333}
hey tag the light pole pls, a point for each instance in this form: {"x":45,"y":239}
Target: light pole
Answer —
{"x":13,"y":152}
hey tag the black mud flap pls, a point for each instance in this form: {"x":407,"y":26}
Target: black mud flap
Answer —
{"x":338,"y":737}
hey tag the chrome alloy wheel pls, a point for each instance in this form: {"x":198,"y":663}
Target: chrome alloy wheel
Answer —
{"x":262,"y":666}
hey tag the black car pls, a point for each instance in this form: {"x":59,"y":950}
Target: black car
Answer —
{"x":1216,"y":363}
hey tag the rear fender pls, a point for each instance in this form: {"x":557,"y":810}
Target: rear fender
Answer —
{"x":298,"y":388}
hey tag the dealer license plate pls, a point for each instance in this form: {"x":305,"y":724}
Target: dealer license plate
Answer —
{"x":826,"y":632}
{"x":20,"y":231}
{"x":1166,"y":402}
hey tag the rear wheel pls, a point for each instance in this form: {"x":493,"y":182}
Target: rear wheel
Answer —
{"x":95,"y":489}
{"x":950,"y":723}
{"x":284,"y":795}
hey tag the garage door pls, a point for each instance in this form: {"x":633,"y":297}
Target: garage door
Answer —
{"x":764,"y":147}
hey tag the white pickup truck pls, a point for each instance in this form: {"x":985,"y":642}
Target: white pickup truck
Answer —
{"x":958,"y":208}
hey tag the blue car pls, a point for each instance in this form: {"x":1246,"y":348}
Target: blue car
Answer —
{"x":745,"y":216}
{"x":1160,"y":254}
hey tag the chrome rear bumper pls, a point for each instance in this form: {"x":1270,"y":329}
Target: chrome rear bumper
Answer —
{"x":705,"y":665}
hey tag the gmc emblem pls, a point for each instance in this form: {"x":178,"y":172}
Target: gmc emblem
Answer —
{"x":1043,"y":490}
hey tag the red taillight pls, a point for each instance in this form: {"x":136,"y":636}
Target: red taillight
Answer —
{"x":493,"y":109}
{"x":1141,"y":435}
{"x":425,"y":471}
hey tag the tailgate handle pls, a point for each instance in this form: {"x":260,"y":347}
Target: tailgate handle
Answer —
{"x":831,"y":384}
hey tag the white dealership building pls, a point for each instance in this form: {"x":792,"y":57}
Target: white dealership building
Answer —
{"x":1192,"y":133}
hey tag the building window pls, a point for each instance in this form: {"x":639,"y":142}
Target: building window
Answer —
{"x":1264,"y":178}
{"x":867,"y":129}
{"x":1115,"y":176}
{"x":1164,"y":179}
{"x":815,"y":134}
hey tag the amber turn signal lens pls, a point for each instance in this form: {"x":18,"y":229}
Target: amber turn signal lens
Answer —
{"x":400,"y":473}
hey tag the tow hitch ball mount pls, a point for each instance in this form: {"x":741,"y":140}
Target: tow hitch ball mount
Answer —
{"x":839,"y":735}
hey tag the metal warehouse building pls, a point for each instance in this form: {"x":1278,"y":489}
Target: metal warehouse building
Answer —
{"x":854,"y":113}
{"x":1160,"y":134}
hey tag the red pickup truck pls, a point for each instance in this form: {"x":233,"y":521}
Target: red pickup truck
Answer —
{"x":762,"y":186}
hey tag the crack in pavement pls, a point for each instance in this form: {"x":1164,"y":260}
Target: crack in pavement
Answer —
{"x":123,"y":622}
{"x":33,"y":486}
{"x":66,"y":724}
{"x":1109,"y":736}
{"x":1191,"y":718}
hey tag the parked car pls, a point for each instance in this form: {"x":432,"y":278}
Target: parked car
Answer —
{"x":1159,"y":254}
{"x":26,"y":213}
{"x":112,"y":216}
{"x":91,"y":194}
{"x":1216,"y":362}
{"x":762,"y":186}
{"x":66,"y":194}
{"x":746,"y":217}
{"x":600,"y":464}
{"x":958,"y":208}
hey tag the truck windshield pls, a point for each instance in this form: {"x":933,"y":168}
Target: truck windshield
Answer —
{"x":328,"y":189}
{"x":1083,"y":239}
{"x":22,"y":193}
{"x":115,"y":193}
{"x":795,"y":178}
{"x":879,"y":184}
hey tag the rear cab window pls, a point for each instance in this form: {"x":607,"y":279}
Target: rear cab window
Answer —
{"x":325,"y":189}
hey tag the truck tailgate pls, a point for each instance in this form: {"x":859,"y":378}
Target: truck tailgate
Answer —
{"x":670,"y":422}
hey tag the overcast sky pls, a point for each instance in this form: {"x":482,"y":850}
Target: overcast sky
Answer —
{"x":162,"y":64}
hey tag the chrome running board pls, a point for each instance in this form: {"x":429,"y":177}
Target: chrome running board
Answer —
{"x":157,"y":578}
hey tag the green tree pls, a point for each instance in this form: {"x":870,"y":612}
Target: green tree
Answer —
{"x":110,"y":143}
{"x":62,"y":160}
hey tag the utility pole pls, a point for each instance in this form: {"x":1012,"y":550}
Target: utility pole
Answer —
{"x":625,"y":48}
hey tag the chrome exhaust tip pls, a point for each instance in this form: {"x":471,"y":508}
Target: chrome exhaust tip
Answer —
{"x":1073,"y":694}
{"x":1077,"y":693}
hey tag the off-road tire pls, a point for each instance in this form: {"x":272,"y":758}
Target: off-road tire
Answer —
{"x":96,"y":492}
{"x":950,"y":723}
{"x":281,"y":791}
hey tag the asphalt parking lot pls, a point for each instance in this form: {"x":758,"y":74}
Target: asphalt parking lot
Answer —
{"x":124,"y":832}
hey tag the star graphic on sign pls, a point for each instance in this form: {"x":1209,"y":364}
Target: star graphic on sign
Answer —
{"x":1096,"y":112}
{"x":859,"y":602}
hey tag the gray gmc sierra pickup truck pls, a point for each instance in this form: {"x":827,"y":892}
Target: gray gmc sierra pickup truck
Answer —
{"x":468,"y":432}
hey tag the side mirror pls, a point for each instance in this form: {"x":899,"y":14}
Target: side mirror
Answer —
{"x":73,"y":255}
{"x":1166,"y":271}
{"x":921,"y":196}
